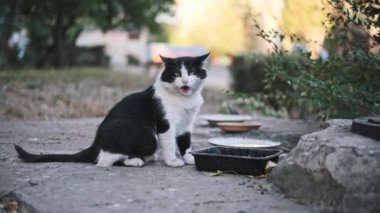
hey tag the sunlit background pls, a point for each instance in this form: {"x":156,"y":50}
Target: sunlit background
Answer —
{"x":182,"y":27}
{"x":270,"y":50}
{"x":225,"y":28}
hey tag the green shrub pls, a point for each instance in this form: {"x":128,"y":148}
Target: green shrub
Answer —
{"x":347,"y":85}
{"x":253,"y":75}
{"x":248,"y":72}
{"x":340,"y":87}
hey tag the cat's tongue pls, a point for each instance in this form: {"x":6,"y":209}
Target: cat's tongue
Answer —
{"x":185,"y":90}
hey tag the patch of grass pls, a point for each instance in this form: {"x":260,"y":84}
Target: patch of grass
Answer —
{"x":67,"y":93}
{"x":75,"y":75}
{"x":73,"y":93}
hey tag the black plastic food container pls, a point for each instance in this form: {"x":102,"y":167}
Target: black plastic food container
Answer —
{"x":239,"y":160}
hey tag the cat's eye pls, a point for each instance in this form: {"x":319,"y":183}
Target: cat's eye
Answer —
{"x":192,"y":71}
{"x":176,"y":73}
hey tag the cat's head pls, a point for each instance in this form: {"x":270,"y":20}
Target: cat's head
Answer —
{"x":183,"y":75}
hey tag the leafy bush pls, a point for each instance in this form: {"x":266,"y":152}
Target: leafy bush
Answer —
{"x":341,"y":87}
{"x":346,"y":85}
{"x":248,"y":71}
{"x":249,"y":80}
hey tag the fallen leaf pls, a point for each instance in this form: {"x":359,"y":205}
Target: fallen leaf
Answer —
{"x":9,"y":207}
{"x":213,"y":174}
{"x":262,"y":176}
{"x":269,"y":166}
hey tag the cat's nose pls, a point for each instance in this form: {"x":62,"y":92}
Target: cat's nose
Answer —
{"x":185,"y":81}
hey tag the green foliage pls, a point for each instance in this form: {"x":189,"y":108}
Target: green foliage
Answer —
{"x":349,"y":23}
{"x":258,"y":102}
{"x":265,"y":78}
{"x":346,"y":85}
{"x":341,"y":87}
{"x":364,"y":13}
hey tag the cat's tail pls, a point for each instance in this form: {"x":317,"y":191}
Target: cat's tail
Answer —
{"x":87,"y":156}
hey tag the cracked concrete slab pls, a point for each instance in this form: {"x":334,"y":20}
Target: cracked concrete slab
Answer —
{"x":78,"y":187}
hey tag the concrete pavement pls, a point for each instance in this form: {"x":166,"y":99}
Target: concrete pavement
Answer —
{"x":78,"y":187}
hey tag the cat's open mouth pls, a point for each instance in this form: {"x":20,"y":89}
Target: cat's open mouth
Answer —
{"x":185,"y":89}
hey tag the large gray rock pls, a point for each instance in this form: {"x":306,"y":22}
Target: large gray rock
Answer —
{"x":333,"y":169}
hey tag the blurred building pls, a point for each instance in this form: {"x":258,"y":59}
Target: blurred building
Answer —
{"x":124,"y":48}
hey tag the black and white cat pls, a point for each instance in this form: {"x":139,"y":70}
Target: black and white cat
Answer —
{"x":161,"y":116}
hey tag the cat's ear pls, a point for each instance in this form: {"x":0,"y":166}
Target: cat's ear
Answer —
{"x":166,"y":60}
{"x":200,"y":60}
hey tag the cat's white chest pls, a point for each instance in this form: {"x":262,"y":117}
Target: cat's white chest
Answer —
{"x":184,"y":120}
{"x":181,"y":119}
{"x":180,"y":112}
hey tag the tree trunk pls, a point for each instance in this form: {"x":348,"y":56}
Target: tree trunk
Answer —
{"x":58,"y":36}
{"x":43,"y":58}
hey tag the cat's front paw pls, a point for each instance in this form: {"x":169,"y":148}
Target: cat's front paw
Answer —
{"x":189,"y":159}
{"x":175,"y":162}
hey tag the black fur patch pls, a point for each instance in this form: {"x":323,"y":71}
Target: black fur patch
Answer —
{"x":183,"y":142}
{"x":193,"y":66}
{"x":170,"y":71}
{"x":132,"y":124}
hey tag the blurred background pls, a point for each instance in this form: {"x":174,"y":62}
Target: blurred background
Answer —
{"x":287,"y":58}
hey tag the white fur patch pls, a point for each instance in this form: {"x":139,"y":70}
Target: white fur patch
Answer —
{"x":136,"y":162}
{"x":106,"y":159}
{"x":169,"y":146}
{"x":175,"y":162}
{"x":188,"y":158}
{"x":184,"y":74}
